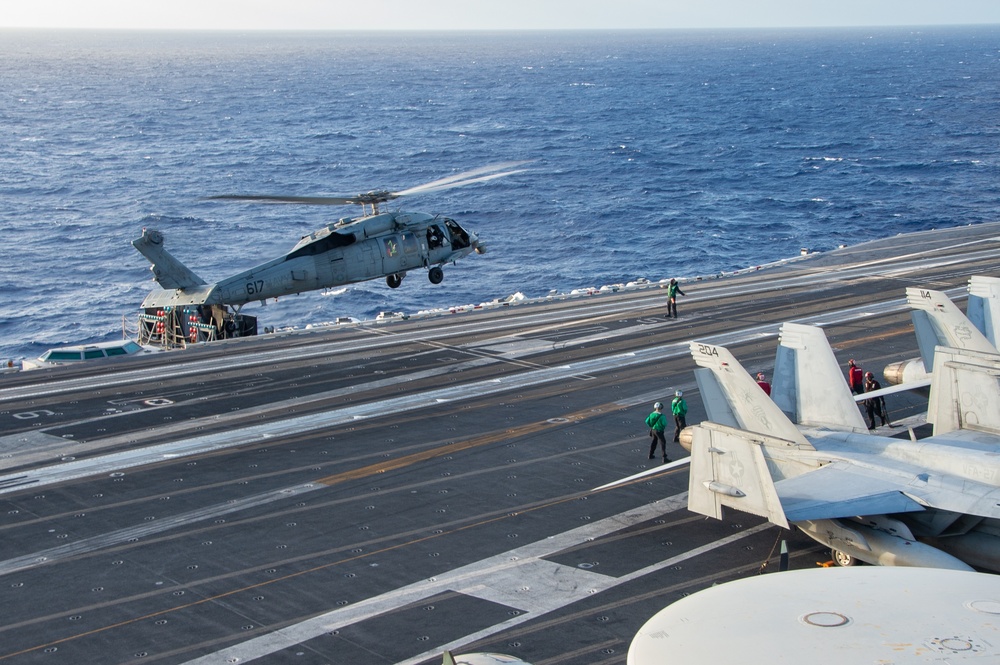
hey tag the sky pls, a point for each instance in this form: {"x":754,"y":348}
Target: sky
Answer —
{"x":488,"y":14}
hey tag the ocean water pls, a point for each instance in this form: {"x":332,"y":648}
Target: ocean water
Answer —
{"x":653,"y":155}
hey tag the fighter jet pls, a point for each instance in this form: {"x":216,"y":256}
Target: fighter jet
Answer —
{"x":932,"y":503}
{"x":937,"y":321}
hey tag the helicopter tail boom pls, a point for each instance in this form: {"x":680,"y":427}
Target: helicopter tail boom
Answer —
{"x":168,"y":272}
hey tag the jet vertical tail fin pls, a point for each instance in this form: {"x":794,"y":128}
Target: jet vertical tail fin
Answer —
{"x":984,"y":306}
{"x":808,"y":384}
{"x":965,"y":393}
{"x":728,"y":389}
{"x":728,"y":468}
{"x":713,"y":398}
{"x":939,"y":322}
{"x":167,"y":271}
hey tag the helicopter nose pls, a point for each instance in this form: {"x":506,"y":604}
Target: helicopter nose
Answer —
{"x":476,"y":243}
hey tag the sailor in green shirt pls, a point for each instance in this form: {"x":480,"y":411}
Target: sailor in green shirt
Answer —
{"x":657,"y":424}
{"x":672,"y":290}
{"x":679,"y":408}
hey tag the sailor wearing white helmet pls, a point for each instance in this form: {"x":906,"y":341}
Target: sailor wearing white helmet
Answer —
{"x":679,"y":408}
{"x":657,"y":424}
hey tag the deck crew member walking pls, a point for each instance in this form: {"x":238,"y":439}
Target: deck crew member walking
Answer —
{"x":672,"y":290}
{"x":657,"y":423}
{"x":679,"y":408}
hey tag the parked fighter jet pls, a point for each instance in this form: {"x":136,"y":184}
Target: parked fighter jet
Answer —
{"x":935,"y":502}
{"x":937,"y":321}
{"x":984,"y":306}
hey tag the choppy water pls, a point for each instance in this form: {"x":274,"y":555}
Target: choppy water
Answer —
{"x":654,"y":155}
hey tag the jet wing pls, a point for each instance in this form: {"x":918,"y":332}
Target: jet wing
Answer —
{"x":891,"y":390}
{"x":838,"y":490}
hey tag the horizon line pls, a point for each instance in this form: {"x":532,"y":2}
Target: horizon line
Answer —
{"x":500,"y":29}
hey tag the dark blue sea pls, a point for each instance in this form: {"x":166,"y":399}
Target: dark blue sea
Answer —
{"x":653,"y":154}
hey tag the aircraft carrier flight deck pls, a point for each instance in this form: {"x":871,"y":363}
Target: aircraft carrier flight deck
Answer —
{"x":381,"y":492}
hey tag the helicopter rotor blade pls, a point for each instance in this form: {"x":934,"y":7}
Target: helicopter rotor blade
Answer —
{"x":464,"y":178}
{"x":481,"y":174}
{"x":459,"y":183}
{"x":307,"y":200}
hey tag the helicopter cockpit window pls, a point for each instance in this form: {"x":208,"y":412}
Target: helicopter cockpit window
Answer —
{"x":411,"y":244}
{"x":325,"y":244}
{"x":459,"y":237}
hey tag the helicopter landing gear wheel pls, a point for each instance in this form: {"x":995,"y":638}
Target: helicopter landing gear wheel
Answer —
{"x":843,"y":559}
{"x":394,"y":280}
{"x":435,"y":274}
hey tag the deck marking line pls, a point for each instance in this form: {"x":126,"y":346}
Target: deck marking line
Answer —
{"x":499,"y":579}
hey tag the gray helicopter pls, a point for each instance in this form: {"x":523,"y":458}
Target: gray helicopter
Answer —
{"x":377,"y":244}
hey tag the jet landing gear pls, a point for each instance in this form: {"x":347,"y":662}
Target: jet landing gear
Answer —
{"x":435,"y":274}
{"x":394,"y":280}
{"x":843,"y":559}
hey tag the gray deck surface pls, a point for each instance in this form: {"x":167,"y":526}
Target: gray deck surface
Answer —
{"x":376,"y":493}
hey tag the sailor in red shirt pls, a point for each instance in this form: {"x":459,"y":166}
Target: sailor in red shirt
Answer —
{"x":855,"y":377}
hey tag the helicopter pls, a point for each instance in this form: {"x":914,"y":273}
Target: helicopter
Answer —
{"x":378,"y":244}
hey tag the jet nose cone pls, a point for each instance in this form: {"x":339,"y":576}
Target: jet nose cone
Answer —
{"x":686,"y":437}
{"x":893,"y":372}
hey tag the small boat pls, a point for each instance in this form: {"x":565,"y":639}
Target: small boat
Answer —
{"x":65,"y":355}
